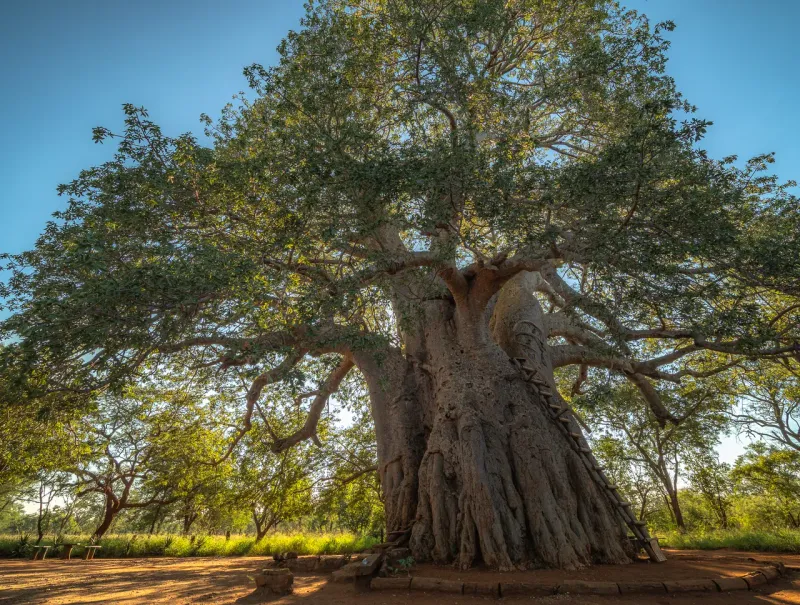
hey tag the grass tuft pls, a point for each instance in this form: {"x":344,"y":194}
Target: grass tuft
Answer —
{"x":136,"y":546}
{"x":779,"y":540}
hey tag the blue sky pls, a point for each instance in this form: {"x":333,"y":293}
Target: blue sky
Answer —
{"x":68,"y":66}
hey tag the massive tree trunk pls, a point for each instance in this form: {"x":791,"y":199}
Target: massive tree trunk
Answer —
{"x":469,"y":456}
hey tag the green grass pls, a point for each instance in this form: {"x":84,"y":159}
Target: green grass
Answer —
{"x":779,"y":540}
{"x":130,"y":545}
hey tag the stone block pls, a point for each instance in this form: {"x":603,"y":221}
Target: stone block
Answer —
{"x":275,"y":581}
{"x":581,"y":587}
{"x":484,"y":589}
{"x":342,"y":575}
{"x":641,"y":587}
{"x":508,"y":589}
{"x":331,"y":562}
{"x":690,"y":586}
{"x":283,"y":556}
{"x":390,"y":583}
{"x":357,"y":556}
{"x":728,"y":584}
{"x":302,"y":564}
{"x":754,"y":579}
{"x":437,"y":585}
{"x":367,"y":565}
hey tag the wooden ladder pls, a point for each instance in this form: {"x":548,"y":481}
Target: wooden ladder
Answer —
{"x":567,"y":422}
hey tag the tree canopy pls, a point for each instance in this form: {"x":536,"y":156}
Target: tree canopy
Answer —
{"x":393,"y":136}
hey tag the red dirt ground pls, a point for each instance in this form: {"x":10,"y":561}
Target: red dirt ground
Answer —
{"x":226,"y":581}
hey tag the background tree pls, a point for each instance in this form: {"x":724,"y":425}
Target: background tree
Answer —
{"x":770,"y":406}
{"x":421,"y":195}
{"x":775,"y":472}
{"x":275,"y":487}
{"x":712,"y":479}
{"x":142,"y":449}
{"x":634,"y":478}
{"x":349,"y":494}
{"x":666,"y":452}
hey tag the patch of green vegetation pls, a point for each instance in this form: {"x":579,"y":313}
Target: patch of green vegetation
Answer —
{"x":779,"y":540}
{"x":168,"y":545}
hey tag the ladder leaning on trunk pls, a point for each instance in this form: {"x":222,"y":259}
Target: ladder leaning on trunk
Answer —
{"x":563,"y":416}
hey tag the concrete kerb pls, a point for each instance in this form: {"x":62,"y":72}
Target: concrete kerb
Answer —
{"x":748,"y":581}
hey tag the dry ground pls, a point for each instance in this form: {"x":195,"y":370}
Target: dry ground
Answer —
{"x":225,"y":581}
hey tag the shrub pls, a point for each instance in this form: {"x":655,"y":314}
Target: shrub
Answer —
{"x":778,"y":540}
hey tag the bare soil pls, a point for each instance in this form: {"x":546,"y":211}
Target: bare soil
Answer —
{"x":226,"y":581}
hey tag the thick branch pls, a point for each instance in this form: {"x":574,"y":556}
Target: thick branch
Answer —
{"x":652,"y":398}
{"x":309,"y":429}
{"x":268,"y":377}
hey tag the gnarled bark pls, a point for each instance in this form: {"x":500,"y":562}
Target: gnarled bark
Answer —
{"x":468,"y":453}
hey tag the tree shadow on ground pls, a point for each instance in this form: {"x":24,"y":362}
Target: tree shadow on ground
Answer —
{"x":228,"y":581}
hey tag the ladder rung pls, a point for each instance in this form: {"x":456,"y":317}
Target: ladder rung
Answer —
{"x":624,"y":504}
{"x":641,"y":523}
{"x":536,"y":380}
{"x":545,"y":392}
{"x":611,"y":486}
{"x":586,"y":450}
{"x":575,"y":435}
{"x":564,"y":420}
{"x":554,"y":406}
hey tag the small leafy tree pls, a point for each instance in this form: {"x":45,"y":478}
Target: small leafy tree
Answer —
{"x":771,"y":402}
{"x":712,"y":480}
{"x":276,"y":487}
{"x":142,"y":448}
{"x":664,"y":451}
{"x":634,"y":478}
{"x":767,"y":469}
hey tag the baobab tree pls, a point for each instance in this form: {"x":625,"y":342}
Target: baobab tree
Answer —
{"x":422,"y":193}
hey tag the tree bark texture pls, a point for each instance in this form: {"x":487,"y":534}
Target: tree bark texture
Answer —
{"x":469,"y":458}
